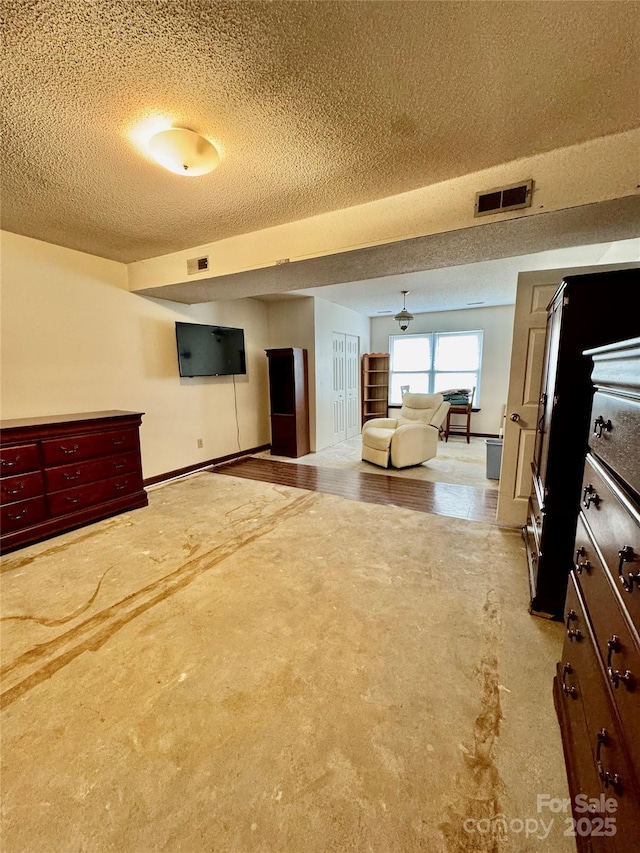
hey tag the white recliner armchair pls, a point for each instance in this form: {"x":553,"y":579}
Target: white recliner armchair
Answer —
{"x":409,"y":439}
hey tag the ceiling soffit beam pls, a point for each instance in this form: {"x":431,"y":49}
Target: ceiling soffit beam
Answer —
{"x":603,"y":222}
{"x":599,"y":170}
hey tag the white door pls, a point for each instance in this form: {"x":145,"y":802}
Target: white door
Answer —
{"x":525,"y":376}
{"x":339,"y":388}
{"x":352,"y":372}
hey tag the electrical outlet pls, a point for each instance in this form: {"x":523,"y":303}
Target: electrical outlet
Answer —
{"x":200,"y":443}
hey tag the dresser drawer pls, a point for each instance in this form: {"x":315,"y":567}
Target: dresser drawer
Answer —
{"x":615,"y":427}
{"x":80,"y":497}
{"x":59,"y":451}
{"x":615,"y":527}
{"x":67,"y":476}
{"x":15,"y":460}
{"x":20,"y":487}
{"x":15,"y":516}
{"x":617,"y":642}
{"x":586,"y":697}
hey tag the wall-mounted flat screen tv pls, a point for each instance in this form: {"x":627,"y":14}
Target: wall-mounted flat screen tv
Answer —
{"x":209,"y":350}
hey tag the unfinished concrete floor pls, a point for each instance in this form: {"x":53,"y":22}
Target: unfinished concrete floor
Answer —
{"x":246,"y":667}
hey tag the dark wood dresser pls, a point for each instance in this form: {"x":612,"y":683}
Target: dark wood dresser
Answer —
{"x":60,"y":472}
{"x":587,"y":311}
{"x":597,"y":685}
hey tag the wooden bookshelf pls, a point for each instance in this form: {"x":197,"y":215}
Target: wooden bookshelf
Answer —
{"x":375,"y":385}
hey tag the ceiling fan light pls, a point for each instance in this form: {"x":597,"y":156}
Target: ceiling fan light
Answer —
{"x":183,"y":152}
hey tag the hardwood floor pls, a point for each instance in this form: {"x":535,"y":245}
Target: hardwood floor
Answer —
{"x":438,"y":498}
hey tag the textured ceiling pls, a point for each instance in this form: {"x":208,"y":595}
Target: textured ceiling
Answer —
{"x":313,"y":106}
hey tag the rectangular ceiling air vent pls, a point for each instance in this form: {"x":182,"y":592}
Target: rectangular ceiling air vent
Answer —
{"x":195,"y":265}
{"x":513,"y":197}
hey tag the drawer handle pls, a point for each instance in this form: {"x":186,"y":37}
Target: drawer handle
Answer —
{"x":73,"y":500}
{"x":119,"y":465}
{"x":15,"y":491}
{"x":14,"y":516}
{"x":607,"y":778}
{"x":568,"y":691}
{"x":69,"y":450}
{"x":615,"y":676}
{"x":117,"y":442}
{"x":614,"y":646}
{"x":73,"y":476}
{"x":7,"y":464}
{"x":120,"y":486}
{"x":581,"y":565}
{"x":572,"y":633}
{"x":626,"y":556}
{"x":590,"y":496}
{"x":600,"y":424}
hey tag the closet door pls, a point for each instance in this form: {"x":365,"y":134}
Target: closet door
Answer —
{"x":352,"y":363}
{"x":339,"y":388}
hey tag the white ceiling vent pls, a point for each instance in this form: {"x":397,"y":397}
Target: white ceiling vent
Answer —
{"x":500,"y":199}
{"x":195,"y":265}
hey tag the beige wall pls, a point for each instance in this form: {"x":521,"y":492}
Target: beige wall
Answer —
{"x":330,"y":318}
{"x":75,"y":340}
{"x":496,"y":323}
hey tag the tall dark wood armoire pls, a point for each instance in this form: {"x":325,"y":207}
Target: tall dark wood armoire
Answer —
{"x":586,"y":311}
{"x":289,"y":397}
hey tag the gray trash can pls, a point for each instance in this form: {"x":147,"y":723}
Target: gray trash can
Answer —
{"x":494,"y":458}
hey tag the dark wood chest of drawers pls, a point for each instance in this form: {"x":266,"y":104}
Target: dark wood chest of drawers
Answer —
{"x":597,"y":686}
{"x":61,"y":472}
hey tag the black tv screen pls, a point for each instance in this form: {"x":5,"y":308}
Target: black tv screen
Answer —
{"x":209,"y":350}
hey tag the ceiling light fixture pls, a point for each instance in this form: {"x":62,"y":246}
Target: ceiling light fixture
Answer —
{"x":403,"y":317}
{"x":183,"y":151}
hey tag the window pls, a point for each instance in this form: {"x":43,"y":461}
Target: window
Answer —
{"x":434,"y":362}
